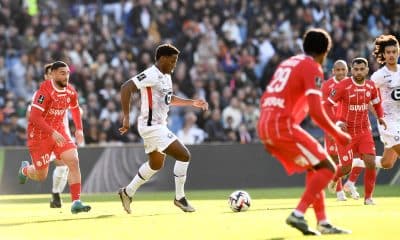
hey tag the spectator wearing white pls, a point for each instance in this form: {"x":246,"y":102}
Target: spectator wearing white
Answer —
{"x":46,"y":37}
{"x":233,"y":111}
{"x":232,"y":30}
{"x":110,"y":112}
{"x":190,"y":133}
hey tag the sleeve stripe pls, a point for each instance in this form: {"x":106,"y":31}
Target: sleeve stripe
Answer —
{"x":313,"y":91}
{"x":38,"y":107}
{"x":375,"y":101}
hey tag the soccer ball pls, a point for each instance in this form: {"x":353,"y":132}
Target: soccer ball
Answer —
{"x":239,"y":201}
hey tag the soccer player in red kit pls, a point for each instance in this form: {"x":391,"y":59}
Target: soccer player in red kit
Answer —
{"x":293,"y":88}
{"x":353,"y":96}
{"x":47,"y":132}
{"x":339,"y":72}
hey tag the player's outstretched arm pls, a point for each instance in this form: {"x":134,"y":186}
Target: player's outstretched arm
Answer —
{"x":127,"y":89}
{"x":182,"y":102}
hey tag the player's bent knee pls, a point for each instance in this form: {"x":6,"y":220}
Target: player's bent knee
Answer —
{"x":387,"y":165}
{"x":186,"y":156}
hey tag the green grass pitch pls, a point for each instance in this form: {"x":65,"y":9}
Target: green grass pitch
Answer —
{"x":155,"y":217}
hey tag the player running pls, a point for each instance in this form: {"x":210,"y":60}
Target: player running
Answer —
{"x":294,"y":87}
{"x":47,"y":132}
{"x":353,"y":96}
{"x":339,"y":72}
{"x":155,"y":87}
{"x":60,"y":172}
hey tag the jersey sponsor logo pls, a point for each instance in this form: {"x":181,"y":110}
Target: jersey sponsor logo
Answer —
{"x":40,"y":99}
{"x":358,"y":107}
{"x":395,"y":94}
{"x":57,"y":112}
{"x":385,"y":76}
{"x":274,"y":102}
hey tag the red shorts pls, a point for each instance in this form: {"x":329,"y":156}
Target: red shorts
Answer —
{"x":292,"y":146}
{"x":330,"y":146}
{"x":40,"y":150}
{"x":360,"y":144}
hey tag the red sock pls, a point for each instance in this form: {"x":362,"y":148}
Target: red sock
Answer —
{"x":339,"y":185}
{"x":315,"y":183}
{"x":319,"y":206}
{"x":369,"y":182}
{"x":25,"y":171}
{"x":75,"y":190}
{"x":355,"y":172}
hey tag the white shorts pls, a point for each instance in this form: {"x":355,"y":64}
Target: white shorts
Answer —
{"x":156,"y":138}
{"x":391,"y":136}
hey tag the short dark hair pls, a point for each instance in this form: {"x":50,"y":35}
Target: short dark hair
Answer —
{"x":381,"y":43}
{"x":47,"y":68}
{"x":316,"y":41}
{"x":58,"y":64}
{"x":166,"y":50}
{"x":359,"y":60}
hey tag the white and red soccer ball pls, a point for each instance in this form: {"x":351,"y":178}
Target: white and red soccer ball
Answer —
{"x":239,"y":201}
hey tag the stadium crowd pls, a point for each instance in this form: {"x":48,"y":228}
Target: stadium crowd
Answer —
{"x":229,"y":49}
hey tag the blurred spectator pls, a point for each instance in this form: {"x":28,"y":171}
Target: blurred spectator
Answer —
{"x":190,"y":133}
{"x":232,"y":116}
{"x":214,"y":128}
{"x":8,"y":136}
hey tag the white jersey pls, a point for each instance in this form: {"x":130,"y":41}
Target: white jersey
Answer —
{"x":156,"y":93}
{"x":388,"y":83}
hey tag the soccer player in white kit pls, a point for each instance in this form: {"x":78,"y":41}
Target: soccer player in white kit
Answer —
{"x":155,"y":87}
{"x":387,"y":79}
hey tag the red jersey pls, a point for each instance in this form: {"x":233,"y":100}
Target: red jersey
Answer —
{"x":327,"y":88}
{"x":54,"y":104}
{"x":286,"y":95}
{"x":353,"y":100}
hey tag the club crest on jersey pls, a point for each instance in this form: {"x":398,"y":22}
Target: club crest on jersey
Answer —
{"x":333,"y":92}
{"x":318,"y":82}
{"x":368,"y":94}
{"x":40,"y":99}
{"x":68,"y":100}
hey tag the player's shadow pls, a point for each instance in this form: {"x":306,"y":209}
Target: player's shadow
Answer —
{"x":54,"y":220}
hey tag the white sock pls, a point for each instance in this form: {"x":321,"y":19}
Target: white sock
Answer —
{"x":325,"y":221}
{"x":357,"y":162}
{"x":180,"y":170}
{"x":143,"y":175}
{"x":378,"y":161}
{"x":297,"y":213}
{"x":60,"y":176}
